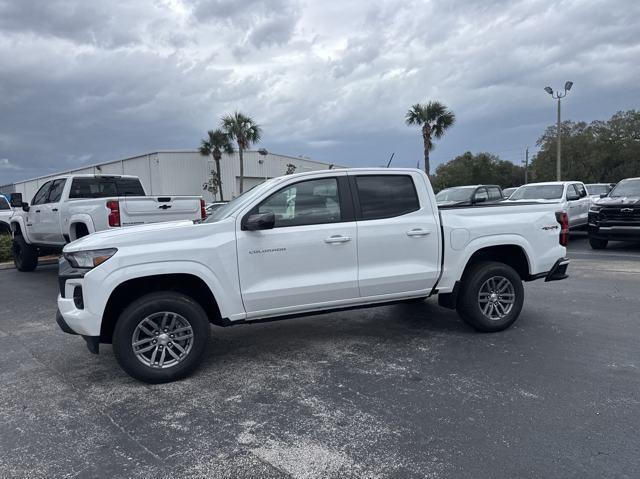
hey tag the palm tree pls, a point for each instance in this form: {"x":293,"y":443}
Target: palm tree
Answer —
{"x":244,"y":131}
{"x":435,"y":119}
{"x":216,"y":143}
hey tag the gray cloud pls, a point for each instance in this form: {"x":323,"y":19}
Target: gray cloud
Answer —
{"x":89,"y":81}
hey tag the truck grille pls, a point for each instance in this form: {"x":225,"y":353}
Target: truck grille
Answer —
{"x":622,"y":215}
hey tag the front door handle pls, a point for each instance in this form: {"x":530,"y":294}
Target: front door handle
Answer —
{"x":37,"y":211}
{"x":418,"y":232}
{"x":337,"y":239}
{"x":54,"y":210}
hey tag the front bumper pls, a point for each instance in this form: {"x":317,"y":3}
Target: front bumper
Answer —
{"x":93,"y":342}
{"x":615,"y":232}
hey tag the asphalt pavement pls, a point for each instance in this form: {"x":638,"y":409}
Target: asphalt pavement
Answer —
{"x":398,"y":391}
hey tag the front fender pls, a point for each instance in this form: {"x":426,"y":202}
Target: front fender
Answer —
{"x":18,"y":221}
{"x":100,"y":284}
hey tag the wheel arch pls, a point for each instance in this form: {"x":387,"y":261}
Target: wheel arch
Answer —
{"x":186,"y":283}
{"x":79,"y":221}
{"x":513,"y":255}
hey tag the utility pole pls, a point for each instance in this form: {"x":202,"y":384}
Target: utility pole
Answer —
{"x":558,"y":96}
{"x":526,"y":166}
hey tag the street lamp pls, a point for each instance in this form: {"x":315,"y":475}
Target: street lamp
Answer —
{"x":558,"y":96}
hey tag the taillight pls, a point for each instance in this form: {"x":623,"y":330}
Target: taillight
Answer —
{"x":114,"y":213}
{"x":563,"y":219}
{"x":203,"y":212}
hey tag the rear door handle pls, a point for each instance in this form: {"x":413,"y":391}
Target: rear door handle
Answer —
{"x":54,"y":210}
{"x":337,"y":239}
{"x":37,"y":211}
{"x":418,"y":232}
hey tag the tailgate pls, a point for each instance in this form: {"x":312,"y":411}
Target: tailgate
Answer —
{"x":136,"y":210}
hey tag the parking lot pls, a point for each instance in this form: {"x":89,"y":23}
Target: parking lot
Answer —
{"x":398,"y":391}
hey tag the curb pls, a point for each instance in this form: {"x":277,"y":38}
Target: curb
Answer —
{"x":45,"y":260}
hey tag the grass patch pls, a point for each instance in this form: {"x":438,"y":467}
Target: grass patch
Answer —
{"x":5,"y":248}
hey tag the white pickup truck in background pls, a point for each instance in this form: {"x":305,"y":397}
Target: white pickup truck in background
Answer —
{"x":5,"y":214}
{"x":69,"y":207}
{"x":300,"y":244}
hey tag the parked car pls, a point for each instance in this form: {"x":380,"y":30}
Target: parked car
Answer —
{"x":469,"y":195}
{"x":5,"y":213}
{"x":507,"y":192}
{"x":616,"y":216}
{"x":210,"y":208}
{"x":348,"y":238}
{"x":69,"y":207}
{"x":597,"y":190}
{"x":571,"y":196}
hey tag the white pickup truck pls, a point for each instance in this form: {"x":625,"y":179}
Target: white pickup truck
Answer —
{"x":300,"y":244}
{"x":5,"y":214}
{"x":69,"y":207}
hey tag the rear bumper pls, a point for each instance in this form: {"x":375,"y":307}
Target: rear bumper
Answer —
{"x":558,"y":271}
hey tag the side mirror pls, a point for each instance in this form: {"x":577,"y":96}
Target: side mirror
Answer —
{"x":572,"y":197}
{"x":16,"y":200}
{"x":261,"y":221}
{"x":479,"y":199}
{"x":604,"y":195}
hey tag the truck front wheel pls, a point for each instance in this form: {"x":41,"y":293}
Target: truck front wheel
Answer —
{"x":161,"y":337}
{"x":491,"y":296}
{"x":597,"y":243}
{"x":25,"y":256}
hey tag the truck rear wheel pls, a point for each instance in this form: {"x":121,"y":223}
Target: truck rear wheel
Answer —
{"x":598,"y":243}
{"x":25,"y":256}
{"x":491,"y":296}
{"x":161,"y":337}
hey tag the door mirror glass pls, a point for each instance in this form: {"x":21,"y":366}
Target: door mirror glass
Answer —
{"x":16,"y":200}
{"x":604,"y":195}
{"x":260,"y":221}
{"x":572,"y":196}
{"x":481,"y":196}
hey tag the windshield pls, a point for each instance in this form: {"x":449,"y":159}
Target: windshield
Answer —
{"x":239,"y":201}
{"x":626,"y":188}
{"x":538,"y":192}
{"x":597,"y":189}
{"x":455,"y":194}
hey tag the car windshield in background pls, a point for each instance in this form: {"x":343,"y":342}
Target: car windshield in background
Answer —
{"x":626,"y":188}
{"x":4,"y":204}
{"x":455,"y":194}
{"x":538,"y":192}
{"x":597,"y":189}
{"x":102,"y":187}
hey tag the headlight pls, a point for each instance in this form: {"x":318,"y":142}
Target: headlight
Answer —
{"x":595,"y":208}
{"x":89,"y":259}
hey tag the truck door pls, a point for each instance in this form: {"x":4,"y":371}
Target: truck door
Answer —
{"x":309,"y":257}
{"x":49,"y":226}
{"x":34,"y":215}
{"x":574,"y":206}
{"x":398,"y":234}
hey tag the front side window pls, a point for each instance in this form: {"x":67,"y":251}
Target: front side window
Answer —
{"x":581,"y":191}
{"x":4,"y":204}
{"x":494,"y":194}
{"x":481,"y":195}
{"x":572,"y":192}
{"x":55,"y":193}
{"x":304,"y":203}
{"x":386,"y":196}
{"x":41,"y":196}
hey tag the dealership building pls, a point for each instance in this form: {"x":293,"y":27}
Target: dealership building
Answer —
{"x":184,"y":172}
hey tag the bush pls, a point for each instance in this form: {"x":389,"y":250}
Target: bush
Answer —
{"x":5,"y":248}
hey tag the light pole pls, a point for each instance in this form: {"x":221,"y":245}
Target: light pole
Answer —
{"x":557,"y":96}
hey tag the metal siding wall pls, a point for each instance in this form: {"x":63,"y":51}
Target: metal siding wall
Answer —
{"x":139,"y":167}
{"x":183,"y":173}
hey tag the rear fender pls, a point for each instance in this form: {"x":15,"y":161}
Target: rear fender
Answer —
{"x":80,"y":218}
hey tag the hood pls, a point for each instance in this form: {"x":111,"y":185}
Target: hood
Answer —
{"x":125,"y":235}
{"x":451,"y":202}
{"x":619,"y":201}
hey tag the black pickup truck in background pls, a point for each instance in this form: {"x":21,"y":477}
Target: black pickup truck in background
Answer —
{"x":616,"y":216}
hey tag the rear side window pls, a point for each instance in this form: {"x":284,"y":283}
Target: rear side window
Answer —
{"x":4,"y":204}
{"x":104,"y":187}
{"x":385,"y":196}
{"x":494,"y":193}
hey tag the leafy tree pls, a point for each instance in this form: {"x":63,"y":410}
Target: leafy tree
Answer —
{"x":434,"y":119}
{"x":215,"y":144}
{"x":291,"y":169}
{"x":244,"y":131}
{"x":598,"y":152}
{"x":482,"y":168}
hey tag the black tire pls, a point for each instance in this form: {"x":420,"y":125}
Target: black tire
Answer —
{"x":479,"y":279}
{"x":597,"y":243}
{"x":25,"y":256}
{"x":158,"y":304}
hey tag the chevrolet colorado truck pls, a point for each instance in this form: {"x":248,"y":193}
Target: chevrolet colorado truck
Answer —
{"x":69,"y":207}
{"x":616,"y":216}
{"x":297,"y":245}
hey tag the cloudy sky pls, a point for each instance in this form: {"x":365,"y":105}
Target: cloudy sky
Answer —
{"x":87,"y":81}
